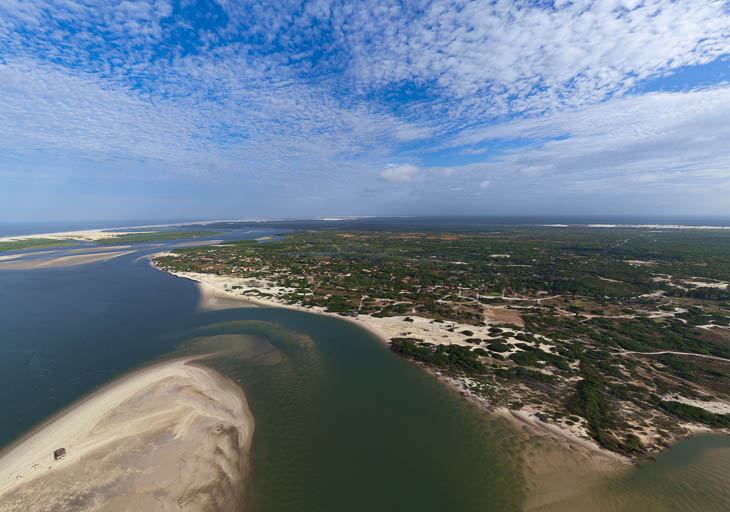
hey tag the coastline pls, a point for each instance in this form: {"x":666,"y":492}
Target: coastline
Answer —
{"x":165,"y":416}
{"x":214,"y":295}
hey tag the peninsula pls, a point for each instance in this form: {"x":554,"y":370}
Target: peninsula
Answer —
{"x":619,"y":338}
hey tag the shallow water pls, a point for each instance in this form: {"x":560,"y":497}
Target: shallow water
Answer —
{"x":341,"y":423}
{"x":694,"y":475}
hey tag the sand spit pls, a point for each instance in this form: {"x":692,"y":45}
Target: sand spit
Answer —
{"x":89,"y":235}
{"x":170,"y":437}
{"x":107,"y":248}
{"x":61,"y":261}
{"x":18,"y":256}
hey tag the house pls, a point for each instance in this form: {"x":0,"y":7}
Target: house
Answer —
{"x":59,"y":454}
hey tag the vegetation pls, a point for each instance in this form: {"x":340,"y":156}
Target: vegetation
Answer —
{"x":155,"y":236}
{"x":570,"y":323}
{"x":454,"y":357}
{"x":696,"y":414}
{"x":35,"y":243}
{"x":590,"y":402}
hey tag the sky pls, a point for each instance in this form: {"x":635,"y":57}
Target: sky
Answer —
{"x":235,"y":109}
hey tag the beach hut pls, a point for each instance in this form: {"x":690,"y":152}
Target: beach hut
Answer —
{"x":59,"y":454}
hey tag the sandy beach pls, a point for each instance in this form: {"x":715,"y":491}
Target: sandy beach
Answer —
{"x":223,"y":292}
{"x":217,"y":292}
{"x":87,"y":235}
{"x":174,"y":436}
{"x":559,"y":461}
{"x":92,"y":235}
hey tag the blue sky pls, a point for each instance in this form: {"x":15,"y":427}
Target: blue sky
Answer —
{"x":237,"y":109}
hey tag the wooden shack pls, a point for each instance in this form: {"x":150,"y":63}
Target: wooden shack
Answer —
{"x":59,"y":454}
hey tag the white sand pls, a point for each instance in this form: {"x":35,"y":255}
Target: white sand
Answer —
{"x":170,"y":437}
{"x":89,"y":235}
{"x":713,"y":406}
{"x":216,"y":293}
{"x":62,"y":261}
{"x":21,"y":255}
{"x":706,"y":284}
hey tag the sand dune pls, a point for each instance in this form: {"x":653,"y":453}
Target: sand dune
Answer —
{"x":171,"y":437}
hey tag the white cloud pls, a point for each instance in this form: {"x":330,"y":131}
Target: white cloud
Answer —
{"x":400,"y":173}
{"x":144,"y":87}
{"x":513,"y":56}
{"x":654,"y":140}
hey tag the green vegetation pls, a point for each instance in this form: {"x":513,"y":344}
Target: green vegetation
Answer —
{"x":590,"y":402}
{"x":696,"y":414}
{"x":530,"y":303}
{"x":499,"y":347}
{"x":155,"y":236}
{"x":452,"y":276}
{"x":35,"y":243}
{"x":520,"y":373}
{"x":453,"y":357}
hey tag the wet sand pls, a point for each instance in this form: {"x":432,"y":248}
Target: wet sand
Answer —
{"x":175,"y":436}
{"x":61,"y":261}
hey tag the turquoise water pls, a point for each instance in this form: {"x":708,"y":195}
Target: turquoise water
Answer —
{"x":341,"y":423}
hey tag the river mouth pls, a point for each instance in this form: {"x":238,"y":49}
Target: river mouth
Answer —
{"x":326,"y":394}
{"x":341,"y":422}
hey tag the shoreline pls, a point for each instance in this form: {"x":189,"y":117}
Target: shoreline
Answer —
{"x":154,"y":416}
{"x":100,"y":233}
{"x":211,"y":295}
{"x":85,"y":398}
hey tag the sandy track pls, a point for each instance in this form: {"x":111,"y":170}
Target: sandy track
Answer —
{"x":170,"y":437}
{"x":689,"y":354}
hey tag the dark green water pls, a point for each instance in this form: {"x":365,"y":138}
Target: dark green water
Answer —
{"x":341,"y":423}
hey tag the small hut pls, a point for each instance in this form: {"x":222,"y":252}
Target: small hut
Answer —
{"x":59,"y":454}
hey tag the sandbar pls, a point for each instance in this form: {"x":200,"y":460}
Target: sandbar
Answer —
{"x":61,"y":261}
{"x":174,"y":436}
